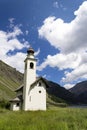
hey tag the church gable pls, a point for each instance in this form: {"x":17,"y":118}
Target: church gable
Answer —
{"x":38,"y":88}
{"x":37,"y":96}
{"x":39,"y":83}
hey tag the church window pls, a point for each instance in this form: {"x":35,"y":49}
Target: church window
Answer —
{"x":17,"y":104}
{"x":31,"y":65}
{"x":39,"y":83}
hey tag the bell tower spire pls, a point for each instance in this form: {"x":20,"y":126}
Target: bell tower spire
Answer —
{"x":29,"y":76}
{"x":30,"y":52}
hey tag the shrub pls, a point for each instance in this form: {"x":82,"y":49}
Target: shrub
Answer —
{"x":4,"y":104}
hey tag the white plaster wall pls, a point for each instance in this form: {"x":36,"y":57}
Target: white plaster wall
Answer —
{"x":36,"y":100}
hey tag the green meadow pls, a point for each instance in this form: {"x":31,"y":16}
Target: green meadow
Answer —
{"x":52,"y":119}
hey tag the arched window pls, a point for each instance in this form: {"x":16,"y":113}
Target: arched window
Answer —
{"x":31,"y":65}
{"x":39,"y":83}
{"x":17,"y":104}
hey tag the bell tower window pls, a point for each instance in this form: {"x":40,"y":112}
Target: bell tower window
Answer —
{"x":31,"y":65}
{"x":39,"y":83}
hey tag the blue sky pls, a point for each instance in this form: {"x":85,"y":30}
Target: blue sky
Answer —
{"x":56,"y":29}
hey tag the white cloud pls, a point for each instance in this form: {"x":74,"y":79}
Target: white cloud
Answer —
{"x":37,"y":52}
{"x":78,"y":73}
{"x":16,"y":32}
{"x":68,"y":86}
{"x":11,"y":20}
{"x":66,"y":36}
{"x":71,"y":40}
{"x":70,"y":61}
{"x":9,"y":42}
{"x":16,"y":61}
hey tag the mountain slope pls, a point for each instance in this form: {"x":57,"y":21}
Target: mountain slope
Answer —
{"x":83,"y":97}
{"x":80,"y":90}
{"x":10,"y":79}
{"x":60,"y":92}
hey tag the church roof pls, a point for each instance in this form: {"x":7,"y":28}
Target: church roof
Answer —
{"x":37,"y":80}
{"x":15,"y":100}
{"x":20,"y":87}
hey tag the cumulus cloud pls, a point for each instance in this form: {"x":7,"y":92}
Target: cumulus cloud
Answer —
{"x":11,"y":47}
{"x":61,"y":61}
{"x":71,"y":40}
{"x":16,"y":32}
{"x":67,"y":37}
{"x":16,"y":61}
{"x":68,"y":86}
{"x":9,"y":42}
{"x":78,"y":73}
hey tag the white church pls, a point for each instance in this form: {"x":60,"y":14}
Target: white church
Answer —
{"x":32,"y":94}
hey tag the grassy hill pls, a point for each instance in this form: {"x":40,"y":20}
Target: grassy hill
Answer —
{"x":10,"y":79}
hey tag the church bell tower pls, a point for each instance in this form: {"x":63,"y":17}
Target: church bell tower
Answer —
{"x":29,"y":76}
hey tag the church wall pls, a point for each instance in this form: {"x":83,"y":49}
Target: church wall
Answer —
{"x":37,"y":97}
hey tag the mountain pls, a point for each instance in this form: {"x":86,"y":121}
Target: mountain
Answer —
{"x":80,"y":90}
{"x":83,"y":97}
{"x":10,"y":79}
{"x":57,"y":91}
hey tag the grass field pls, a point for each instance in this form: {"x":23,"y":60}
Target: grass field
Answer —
{"x":52,"y":119}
